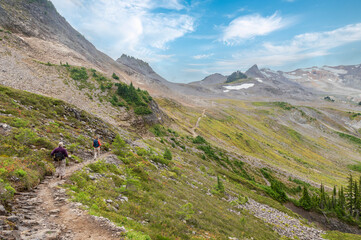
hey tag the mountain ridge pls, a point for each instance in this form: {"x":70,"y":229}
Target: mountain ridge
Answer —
{"x":253,"y":144}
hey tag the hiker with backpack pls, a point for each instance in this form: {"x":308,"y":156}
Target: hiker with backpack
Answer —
{"x":60,"y":154}
{"x":96,"y":146}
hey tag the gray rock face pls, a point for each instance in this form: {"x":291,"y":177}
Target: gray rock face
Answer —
{"x":136,"y":64}
{"x":40,"y":19}
{"x":254,"y":72}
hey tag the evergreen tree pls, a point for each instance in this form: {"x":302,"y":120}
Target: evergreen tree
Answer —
{"x":356,"y":199}
{"x":323,"y":202}
{"x":220,"y":186}
{"x":341,"y":199}
{"x":305,"y":200}
{"x":359,"y":185}
{"x":334,"y":196}
{"x":349,"y":195}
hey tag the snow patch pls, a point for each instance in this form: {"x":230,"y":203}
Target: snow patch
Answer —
{"x":259,"y":80}
{"x":226,"y":90}
{"x":239,"y":87}
{"x":335,"y":70}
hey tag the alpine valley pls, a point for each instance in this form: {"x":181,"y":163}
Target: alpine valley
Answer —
{"x":262,"y":154}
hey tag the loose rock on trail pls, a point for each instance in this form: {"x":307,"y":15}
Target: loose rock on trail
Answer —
{"x":46,"y":213}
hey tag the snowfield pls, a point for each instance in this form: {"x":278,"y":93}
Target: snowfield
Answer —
{"x":238,"y":87}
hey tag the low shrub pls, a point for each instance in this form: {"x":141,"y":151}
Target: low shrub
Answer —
{"x":160,"y":159}
{"x":78,"y":73}
{"x":199,"y":140}
{"x":167,"y":154}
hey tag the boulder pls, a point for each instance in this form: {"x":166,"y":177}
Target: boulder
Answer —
{"x":2,"y":210}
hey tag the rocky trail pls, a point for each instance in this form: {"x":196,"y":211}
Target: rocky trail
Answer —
{"x":197,"y":124}
{"x":282,"y":223}
{"x":45,"y":213}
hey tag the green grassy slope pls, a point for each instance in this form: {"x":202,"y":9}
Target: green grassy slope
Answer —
{"x":281,"y":135}
{"x":168,"y":188}
{"x":169,"y":194}
{"x":35,"y":125}
{"x":167,"y":199}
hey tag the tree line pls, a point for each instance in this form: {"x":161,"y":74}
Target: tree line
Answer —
{"x":345,"y":202}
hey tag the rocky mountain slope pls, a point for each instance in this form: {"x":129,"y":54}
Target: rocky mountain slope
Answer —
{"x":300,"y":84}
{"x":256,"y":86}
{"x":41,"y":26}
{"x":249,"y":159}
{"x":140,"y":66}
{"x":343,"y":81}
{"x":41,"y":53}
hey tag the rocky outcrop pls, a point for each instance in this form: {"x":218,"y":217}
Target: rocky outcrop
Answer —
{"x":157,"y":116}
{"x":236,"y":76}
{"x":136,"y":64}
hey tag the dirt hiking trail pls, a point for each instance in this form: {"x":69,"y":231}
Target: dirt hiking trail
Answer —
{"x":197,"y":124}
{"x":46,"y":213}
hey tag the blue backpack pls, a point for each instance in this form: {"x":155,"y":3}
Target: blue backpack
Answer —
{"x":96,"y":143}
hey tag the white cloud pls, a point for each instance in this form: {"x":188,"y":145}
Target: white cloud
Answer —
{"x":250,"y":26}
{"x":301,"y":47}
{"x":168,"y":4}
{"x":203,"y":56}
{"x":136,"y":27}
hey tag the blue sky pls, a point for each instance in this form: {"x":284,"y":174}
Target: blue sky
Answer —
{"x":186,"y":40}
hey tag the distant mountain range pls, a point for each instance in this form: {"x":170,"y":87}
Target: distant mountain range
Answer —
{"x":343,"y":81}
{"x":49,"y":38}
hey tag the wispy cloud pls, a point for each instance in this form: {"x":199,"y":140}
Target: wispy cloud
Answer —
{"x":234,"y":14}
{"x":301,"y":47}
{"x":203,"y":56}
{"x":135,"y":27}
{"x":250,"y":26}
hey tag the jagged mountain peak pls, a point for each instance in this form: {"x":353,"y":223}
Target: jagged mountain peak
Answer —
{"x":136,"y":64}
{"x":254,"y":72}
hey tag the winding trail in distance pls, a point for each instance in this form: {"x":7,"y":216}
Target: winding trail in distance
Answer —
{"x":197,"y":124}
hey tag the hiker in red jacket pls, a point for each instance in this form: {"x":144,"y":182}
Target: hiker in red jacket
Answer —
{"x":60,"y":154}
{"x":96,"y":146}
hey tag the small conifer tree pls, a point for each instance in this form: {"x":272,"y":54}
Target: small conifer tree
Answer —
{"x":220,"y":186}
{"x":305,"y":201}
{"x":167,"y":154}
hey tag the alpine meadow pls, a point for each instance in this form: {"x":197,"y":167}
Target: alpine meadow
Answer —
{"x":181,"y":125}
